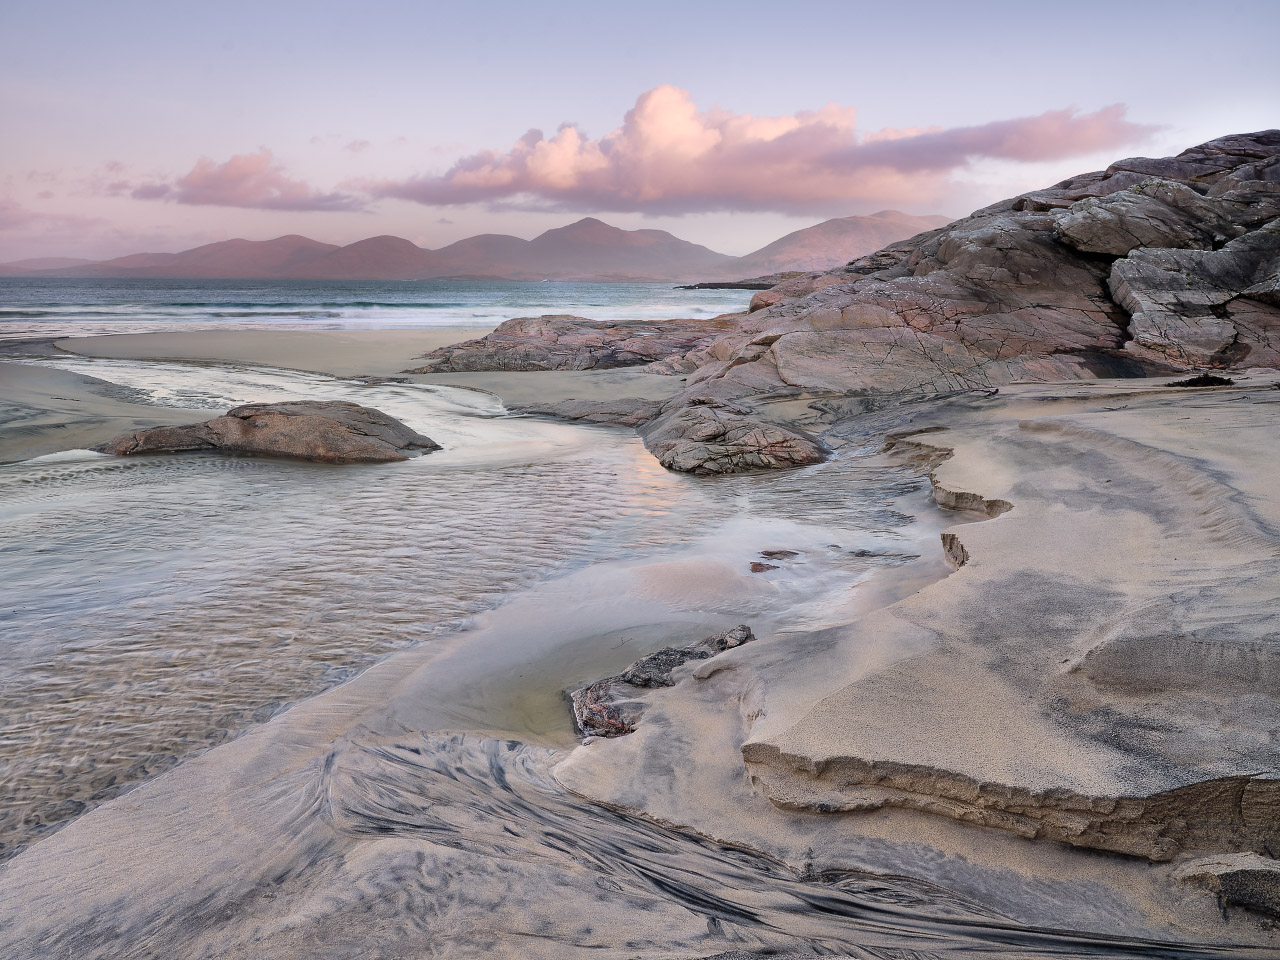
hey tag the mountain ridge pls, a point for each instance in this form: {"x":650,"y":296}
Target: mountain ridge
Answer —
{"x":586,"y":249}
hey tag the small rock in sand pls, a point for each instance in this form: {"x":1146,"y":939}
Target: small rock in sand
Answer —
{"x":608,"y":708}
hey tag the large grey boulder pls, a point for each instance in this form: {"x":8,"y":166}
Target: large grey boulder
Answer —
{"x":330,"y":431}
{"x":713,"y":437}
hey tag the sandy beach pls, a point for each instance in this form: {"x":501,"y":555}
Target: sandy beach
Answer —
{"x":342,"y":792}
{"x":48,"y":410}
{"x":498,"y":482}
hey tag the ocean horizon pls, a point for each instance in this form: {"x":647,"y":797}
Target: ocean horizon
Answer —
{"x":63,"y":306}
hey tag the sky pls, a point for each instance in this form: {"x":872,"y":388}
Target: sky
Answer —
{"x":158,"y":126}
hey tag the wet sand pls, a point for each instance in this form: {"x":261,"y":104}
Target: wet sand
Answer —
{"x":385,"y":353}
{"x":343,"y":353}
{"x":45,"y":410}
{"x":424,"y":802}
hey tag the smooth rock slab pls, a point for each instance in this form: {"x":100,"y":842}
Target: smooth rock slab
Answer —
{"x":328,"y":431}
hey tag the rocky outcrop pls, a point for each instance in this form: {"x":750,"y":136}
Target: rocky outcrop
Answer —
{"x":717,"y":437}
{"x":1205,"y":308}
{"x":1147,"y":268}
{"x":609,"y":708}
{"x":791,"y":288}
{"x":1150,"y":267}
{"x":560,"y":342}
{"x":325,"y":431}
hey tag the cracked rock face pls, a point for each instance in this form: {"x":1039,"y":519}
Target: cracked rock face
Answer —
{"x":324,"y":431}
{"x":717,"y":438}
{"x":1205,"y":308}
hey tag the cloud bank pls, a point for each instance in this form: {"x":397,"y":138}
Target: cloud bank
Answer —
{"x":670,"y":158}
{"x":251,"y":180}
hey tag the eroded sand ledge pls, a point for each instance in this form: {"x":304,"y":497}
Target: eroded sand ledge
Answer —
{"x":1102,"y":670}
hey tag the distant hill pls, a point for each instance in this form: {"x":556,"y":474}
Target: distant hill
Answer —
{"x":378,"y":258}
{"x":240,"y":259}
{"x":587,"y":249}
{"x":834,"y":243}
{"x":41,"y":263}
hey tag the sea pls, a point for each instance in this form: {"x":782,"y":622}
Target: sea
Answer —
{"x":64,"y":307}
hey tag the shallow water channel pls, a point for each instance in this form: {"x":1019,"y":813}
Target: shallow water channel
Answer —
{"x":160,"y":606}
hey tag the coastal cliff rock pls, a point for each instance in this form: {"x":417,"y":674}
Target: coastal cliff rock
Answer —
{"x":1147,"y":268}
{"x":325,"y":431}
{"x":790,"y":289}
{"x":558,"y":342}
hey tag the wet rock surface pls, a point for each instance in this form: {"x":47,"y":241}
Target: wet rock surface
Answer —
{"x":608,"y":707}
{"x":625,"y":411}
{"x":323,"y":431}
{"x":560,"y":342}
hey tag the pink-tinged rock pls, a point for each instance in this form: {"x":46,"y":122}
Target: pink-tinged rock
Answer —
{"x":325,"y":431}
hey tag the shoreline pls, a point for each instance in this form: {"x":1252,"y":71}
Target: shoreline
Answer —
{"x":792,"y":707}
{"x":41,"y":420}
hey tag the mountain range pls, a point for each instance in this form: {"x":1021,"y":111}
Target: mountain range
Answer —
{"x":587,"y":249}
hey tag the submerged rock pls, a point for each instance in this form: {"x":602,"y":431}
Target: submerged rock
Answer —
{"x":328,"y":431}
{"x":607,"y":708}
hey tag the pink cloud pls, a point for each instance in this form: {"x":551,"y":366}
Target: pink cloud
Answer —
{"x":253,"y":180}
{"x":668,"y":157}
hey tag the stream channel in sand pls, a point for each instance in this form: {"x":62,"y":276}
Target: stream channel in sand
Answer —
{"x":162,"y":605}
